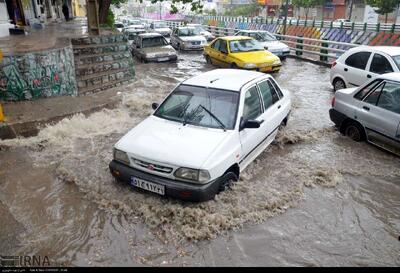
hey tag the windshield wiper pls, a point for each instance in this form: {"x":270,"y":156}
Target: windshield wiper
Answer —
{"x":222,"y":125}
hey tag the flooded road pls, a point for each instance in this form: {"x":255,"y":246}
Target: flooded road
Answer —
{"x":313,"y":198}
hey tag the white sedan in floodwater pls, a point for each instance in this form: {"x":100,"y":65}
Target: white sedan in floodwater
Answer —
{"x":203,"y":135}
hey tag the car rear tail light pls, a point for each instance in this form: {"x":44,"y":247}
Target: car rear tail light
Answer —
{"x":333,"y":64}
{"x":333,"y":101}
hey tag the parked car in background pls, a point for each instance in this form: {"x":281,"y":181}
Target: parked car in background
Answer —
{"x":241,"y":52}
{"x":152,"y":47}
{"x":119,"y":26}
{"x":187,"y":38}
{"x":359,"y":64}
{"x":370,"y":112}
{"x":134,"y":23}
{"x":131,"y":33}
{"x":200,"y":28}
{"x":338,"y":22}
{"x":160,"y":27}
{"x":203,"y":135}
{"x":268,"y":40}
{"x":146,"y":22}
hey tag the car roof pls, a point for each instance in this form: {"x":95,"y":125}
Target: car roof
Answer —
{"x":150,"y":34}
{"x":234,"y":38}
{"x":394,"y":76}
{"x":390,"y":50}
{"x":228,"y":79}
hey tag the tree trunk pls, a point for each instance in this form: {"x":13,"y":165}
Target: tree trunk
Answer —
{"x":104,"y":6}
{"x":386,"y":16}
{"x":307,"y":9}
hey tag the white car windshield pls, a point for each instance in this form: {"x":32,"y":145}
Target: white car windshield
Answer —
{"x":397,"y":60}
{"x":245,"y":45}
{"x":266,"y":37}
{"x":153,"y":41}
{"x":188,"y":32}
{"x":201,"y":106}
{"x":160,"y":25}
{"x":134,"y":22}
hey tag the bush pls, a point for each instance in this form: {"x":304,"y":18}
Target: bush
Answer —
{"x":110,"y":20}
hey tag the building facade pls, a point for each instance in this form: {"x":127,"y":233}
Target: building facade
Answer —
{"x":24,"y":12}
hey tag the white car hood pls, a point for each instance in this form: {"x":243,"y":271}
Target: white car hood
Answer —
{"x":274,"y":45}
{"x":192,"y":38}
{"x":170,"y":142}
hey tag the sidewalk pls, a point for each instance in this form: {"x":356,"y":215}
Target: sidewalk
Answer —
{"x":26,"y":117}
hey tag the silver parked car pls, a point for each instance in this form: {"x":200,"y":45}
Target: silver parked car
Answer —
{"x":268,"y":40}
{"x":152,"y":47}
{"x":187,"y":38}
{"x":370,"y":112}
{"x":131,"y":33}
{"x":208,"y":35}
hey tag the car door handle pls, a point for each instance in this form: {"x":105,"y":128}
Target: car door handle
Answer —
{"x":368,"y":76}
{"x":346,"y":69}
{"x":279,"y":106}
{"x":366,"y":108}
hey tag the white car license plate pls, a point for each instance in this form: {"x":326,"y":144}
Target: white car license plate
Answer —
{"x":162,"y":59}
{"x":146,"y":185}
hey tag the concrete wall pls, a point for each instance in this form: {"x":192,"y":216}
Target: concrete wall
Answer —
{"x":40,"y":74}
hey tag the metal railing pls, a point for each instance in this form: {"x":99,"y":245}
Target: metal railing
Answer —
{"x":298,"y":45}
{"x":307,"y":23}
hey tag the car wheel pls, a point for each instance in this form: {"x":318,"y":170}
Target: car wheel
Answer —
{"x":283,"y":58}
{"x":208,"y":59}
{"x":180,"y":47}
{"x":338,"y":84}
{"x":227,"y":180}
{"x":355,"y":131}
{"x":234,"y":66}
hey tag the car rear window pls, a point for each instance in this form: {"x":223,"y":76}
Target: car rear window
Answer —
{"x":364,"y":91}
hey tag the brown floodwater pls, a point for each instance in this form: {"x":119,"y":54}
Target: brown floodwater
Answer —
{"x":313,"y":198}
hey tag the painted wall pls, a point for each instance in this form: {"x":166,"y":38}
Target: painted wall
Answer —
{"x":38,"y":75}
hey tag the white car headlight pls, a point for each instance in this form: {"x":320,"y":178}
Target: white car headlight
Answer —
{"x":250,"y":66}
{"x":121,"y":156}
{"x":194,"y":175}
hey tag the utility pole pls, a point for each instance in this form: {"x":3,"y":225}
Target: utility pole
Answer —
{"x":286,"y":14}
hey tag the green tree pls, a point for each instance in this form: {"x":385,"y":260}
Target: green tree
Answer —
{"x":105,"y":17}
{"x":383,"y":7}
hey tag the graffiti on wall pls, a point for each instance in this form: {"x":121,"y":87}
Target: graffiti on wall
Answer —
{"x":38,"y":75}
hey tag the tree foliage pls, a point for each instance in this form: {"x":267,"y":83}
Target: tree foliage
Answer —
{"x":383,"y":6}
